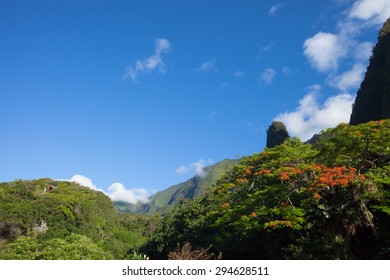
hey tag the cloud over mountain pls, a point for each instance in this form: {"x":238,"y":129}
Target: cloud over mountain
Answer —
{"x":310,"y":117}
{"x":116,"y":191}
{"x":195,"y":167}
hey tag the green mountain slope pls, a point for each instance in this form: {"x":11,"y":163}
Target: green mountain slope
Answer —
{"x":373,"y":98}
{"x":46,"y":219}
{"x":190,"y":189}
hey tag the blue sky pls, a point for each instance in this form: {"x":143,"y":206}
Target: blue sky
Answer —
{"x":130,"y":97}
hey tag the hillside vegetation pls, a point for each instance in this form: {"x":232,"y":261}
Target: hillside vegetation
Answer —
{"x":294,"y":201}
{"x":46,"y":219}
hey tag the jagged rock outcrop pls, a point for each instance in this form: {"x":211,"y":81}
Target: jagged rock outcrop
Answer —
{"x":276,"y":134}
{"x":373,"y":98}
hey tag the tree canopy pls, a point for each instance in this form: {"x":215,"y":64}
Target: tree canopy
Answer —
{"x":294,"y":201}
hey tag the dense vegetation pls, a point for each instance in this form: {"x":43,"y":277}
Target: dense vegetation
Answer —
{"x":46,"y":219}
{"x":330,"y":200}
{"x":293,"y":201}
{"x":373,"y":98}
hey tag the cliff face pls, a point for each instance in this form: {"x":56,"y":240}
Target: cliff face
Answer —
{"x":276,"y":134}
{"x":373,"y":98}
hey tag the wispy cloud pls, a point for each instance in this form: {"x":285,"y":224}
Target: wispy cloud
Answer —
{"x":350,"y":79}
{"x":195,"y":167}
{"x":274,"y":9}
{"x":207,"y":66}
{"x":326,"y":51}
{"x":286,"y":71}
{"x":310,"y":117}
{"x":374,"y":11}
{"x":263,"y":49}
{"x":268,"y":75}
{"x":153,"y":63}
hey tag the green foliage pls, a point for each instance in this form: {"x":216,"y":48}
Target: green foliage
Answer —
{"x":73,"y":247}
{"x":294,"y":201}
{"x":35,"y":223}
{"x":330,"y":200}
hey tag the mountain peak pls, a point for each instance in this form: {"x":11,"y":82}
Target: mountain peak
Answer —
{"x":373,"y":98}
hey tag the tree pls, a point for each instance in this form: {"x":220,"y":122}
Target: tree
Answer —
{"x":295,"y":201}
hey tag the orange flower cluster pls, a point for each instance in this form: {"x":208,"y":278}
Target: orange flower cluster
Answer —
{"x":337,"y":176}
{"x":316,"y":196}
{"x":284,"y":176}
{"x":289,"y":172}
{"x":261,"y":172}
{"x":247,"y":171}
{"x":225,"y":205}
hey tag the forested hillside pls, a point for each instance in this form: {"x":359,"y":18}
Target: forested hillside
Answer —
{"x":46,"y":219}
{"x":294,"y":201}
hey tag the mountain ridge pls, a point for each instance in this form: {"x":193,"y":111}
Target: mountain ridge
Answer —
{"x":373,"y":97}
{"x":194,"y":187}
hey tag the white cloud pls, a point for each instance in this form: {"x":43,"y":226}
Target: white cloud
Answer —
{"x":268,"y":75}
{"x":323,"y":51}
{"x":83,"y":181}
{"x":118,"y":192}
{"x":162,"y":45}
{"x":374,"y":11}
{"x":326,"y":51}
{"x":207,"y":66}
{"x":350,"y":79}
{"x":272,"y":11}
{"x":195,"y":167}
{"x":182,"y":169}
{"x":149,"y":64}
{"x":310,"y":117}
{"x":363,"y":51}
